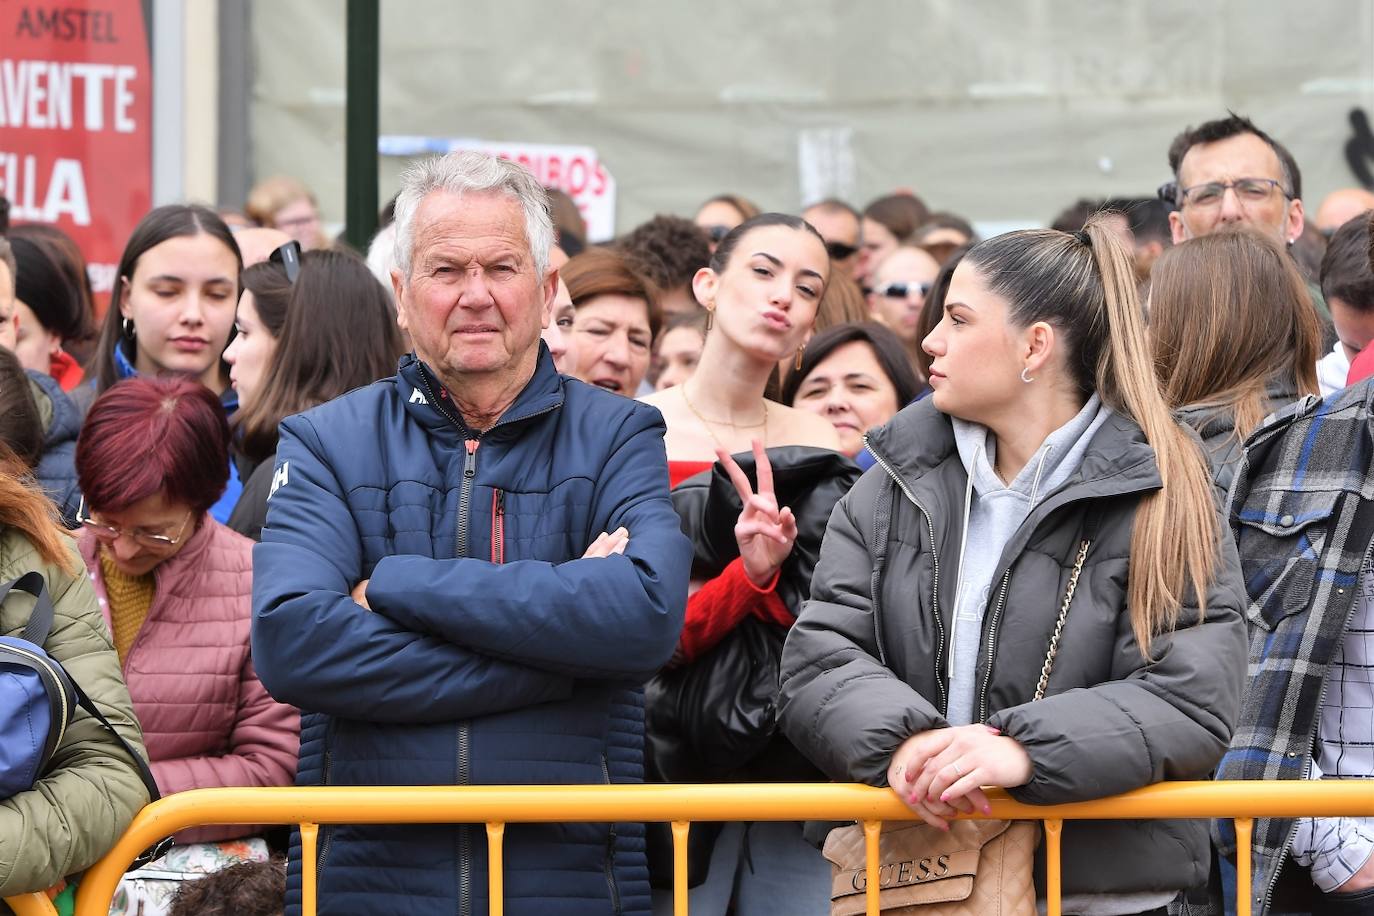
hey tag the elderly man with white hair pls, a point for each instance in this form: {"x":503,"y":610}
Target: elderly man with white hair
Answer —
{"x":468,"y":571}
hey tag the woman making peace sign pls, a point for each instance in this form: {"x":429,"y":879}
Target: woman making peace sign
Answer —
{"x":712,"y":717}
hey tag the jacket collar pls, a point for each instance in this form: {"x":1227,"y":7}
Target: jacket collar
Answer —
{"x":920,"y":439}
{"x":419,"y":389}
{"x":124,"y":368}
{"x":61,"y":420}
{"x":1212,"y":420}
{"x":169,"y":571}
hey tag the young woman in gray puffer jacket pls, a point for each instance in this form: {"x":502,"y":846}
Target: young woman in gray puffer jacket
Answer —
{"x":943,"y":572}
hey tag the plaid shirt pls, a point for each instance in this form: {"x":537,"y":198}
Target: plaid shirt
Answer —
{"x":1302,"y":510}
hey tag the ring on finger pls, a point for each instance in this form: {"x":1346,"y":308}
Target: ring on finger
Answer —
{"x":955,"y":764}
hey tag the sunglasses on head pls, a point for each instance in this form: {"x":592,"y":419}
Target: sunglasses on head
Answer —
{"x":716,"y":233}
{"x":289,"y":257}
{"x":839,"y":251}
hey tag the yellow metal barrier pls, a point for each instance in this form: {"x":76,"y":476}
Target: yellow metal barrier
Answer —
{"x":34,"y":905}
{"x":498,"y":806}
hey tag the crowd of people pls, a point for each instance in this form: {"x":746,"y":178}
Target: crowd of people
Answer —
{"x":489,"y":504}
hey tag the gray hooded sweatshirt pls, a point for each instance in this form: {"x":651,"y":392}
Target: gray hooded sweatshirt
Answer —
{"x":992,"y":513}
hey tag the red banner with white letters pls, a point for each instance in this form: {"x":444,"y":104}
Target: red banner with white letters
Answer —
{"x":76,"y":102}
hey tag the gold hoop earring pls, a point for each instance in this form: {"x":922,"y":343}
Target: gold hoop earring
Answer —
{"x":796,"y":364}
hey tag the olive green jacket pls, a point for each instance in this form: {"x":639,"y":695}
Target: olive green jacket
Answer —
{"x":91,"y":790}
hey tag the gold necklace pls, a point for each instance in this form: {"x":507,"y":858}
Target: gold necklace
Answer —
{"x":707,"y":423}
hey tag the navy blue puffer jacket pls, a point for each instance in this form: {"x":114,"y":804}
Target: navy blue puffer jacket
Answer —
{"x":516,"y":663}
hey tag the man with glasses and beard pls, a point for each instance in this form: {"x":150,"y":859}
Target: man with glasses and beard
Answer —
{"x":842,"y":228}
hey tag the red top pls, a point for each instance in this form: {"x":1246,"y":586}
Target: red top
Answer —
{"x":722,"y":603}
{"x":66,"y":370}
{"x":678,"y":471}
{"x":719,"y":606}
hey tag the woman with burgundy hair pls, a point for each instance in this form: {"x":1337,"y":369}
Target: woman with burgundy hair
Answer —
{"x":175,"y":588}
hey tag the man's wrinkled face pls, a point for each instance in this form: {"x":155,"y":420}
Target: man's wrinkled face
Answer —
{"x":473,"y":303}
{"x":1224,"y":163}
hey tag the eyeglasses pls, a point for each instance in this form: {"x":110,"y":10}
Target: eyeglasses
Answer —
{"x":289,"y":257}
{"x":1248,"y":191}
{"x":716,"y":233}
{"x":903,"y":290}
{"x":109,"y":533}
{"x":838,"y":251}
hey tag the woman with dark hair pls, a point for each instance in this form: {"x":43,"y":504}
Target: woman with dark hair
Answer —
{"x":82,"y":804}
{"x":298,"y":345}
{"x":172,"y":310}
{"x":857,"y":376}
{"x":40,"y":425}
{"x":616,"y":320}
{"x":1086,"y":637}
{"x":755,"y":521}
{"x":1234,"y":338}
{"x":51,"y":307}
{"x":175,"y":587}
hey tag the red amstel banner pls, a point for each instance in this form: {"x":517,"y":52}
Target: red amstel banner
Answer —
{"x":76,"y":103}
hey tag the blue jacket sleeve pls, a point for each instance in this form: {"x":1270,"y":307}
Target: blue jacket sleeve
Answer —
{"x":317,"y":649}
{"x":615,"y":617}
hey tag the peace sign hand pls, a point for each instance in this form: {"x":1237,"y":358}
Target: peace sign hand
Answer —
{"x":764,"y":532}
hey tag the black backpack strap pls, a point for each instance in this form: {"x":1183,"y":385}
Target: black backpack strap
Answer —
{"x":40,"y":620}
{"x":158,"y":849}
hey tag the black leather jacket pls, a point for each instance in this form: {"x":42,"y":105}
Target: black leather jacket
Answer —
{"x":811,"y":482}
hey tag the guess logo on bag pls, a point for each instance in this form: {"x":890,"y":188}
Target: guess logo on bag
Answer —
{"x":900,"y":874}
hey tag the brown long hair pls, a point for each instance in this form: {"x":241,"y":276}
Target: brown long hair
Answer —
{"x":1083,"y":284}
{"x":24,"y":508}
{"x":1228,"y":312}
{"x":339,"y":334}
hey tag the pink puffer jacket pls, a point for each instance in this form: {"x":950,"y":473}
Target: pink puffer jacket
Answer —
{"x":207,"y":720}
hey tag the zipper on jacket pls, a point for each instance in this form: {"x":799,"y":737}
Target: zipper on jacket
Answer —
{"x":498,"y":526}
{"x":992,"y":646}
{"x":935,"y":561}
{"x":465,"y":494}
{"x":464,"y":831}
{"x":610,"y":849}
{"x":52,"y":683}
{"x":323,"y":855}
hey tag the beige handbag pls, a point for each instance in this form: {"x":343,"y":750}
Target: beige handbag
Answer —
{"x":979,"y":867}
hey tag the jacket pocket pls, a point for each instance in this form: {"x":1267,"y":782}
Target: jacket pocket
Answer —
{"x":1281,"y":553}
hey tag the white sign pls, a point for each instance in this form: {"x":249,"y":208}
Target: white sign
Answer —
{"x":577,"y":170}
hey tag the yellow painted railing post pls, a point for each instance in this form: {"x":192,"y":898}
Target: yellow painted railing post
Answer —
{"x":873,"y":830}
{"x":36,"y":904}
{"x":1054,"y":877}
{"x":310,"y":833}
{"x":496,"y":882}
{"x":1244,"y":830}
{"x":680,"y":829}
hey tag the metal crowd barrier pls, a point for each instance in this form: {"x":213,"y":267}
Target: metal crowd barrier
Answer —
{"x":497,"y":806}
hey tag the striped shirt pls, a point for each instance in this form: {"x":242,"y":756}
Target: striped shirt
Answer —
{"x":1337,"y":848}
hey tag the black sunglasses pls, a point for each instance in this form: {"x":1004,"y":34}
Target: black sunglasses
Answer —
{"x":289,"y":257}
{"x":903,"y":290}
{"x":838,"y":251}
{"x":716,"y":233}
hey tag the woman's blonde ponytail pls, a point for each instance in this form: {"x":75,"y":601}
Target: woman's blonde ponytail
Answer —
{"x":1174,"y":541}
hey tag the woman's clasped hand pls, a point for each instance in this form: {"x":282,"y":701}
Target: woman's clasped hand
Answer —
{"x":940,"y":773}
